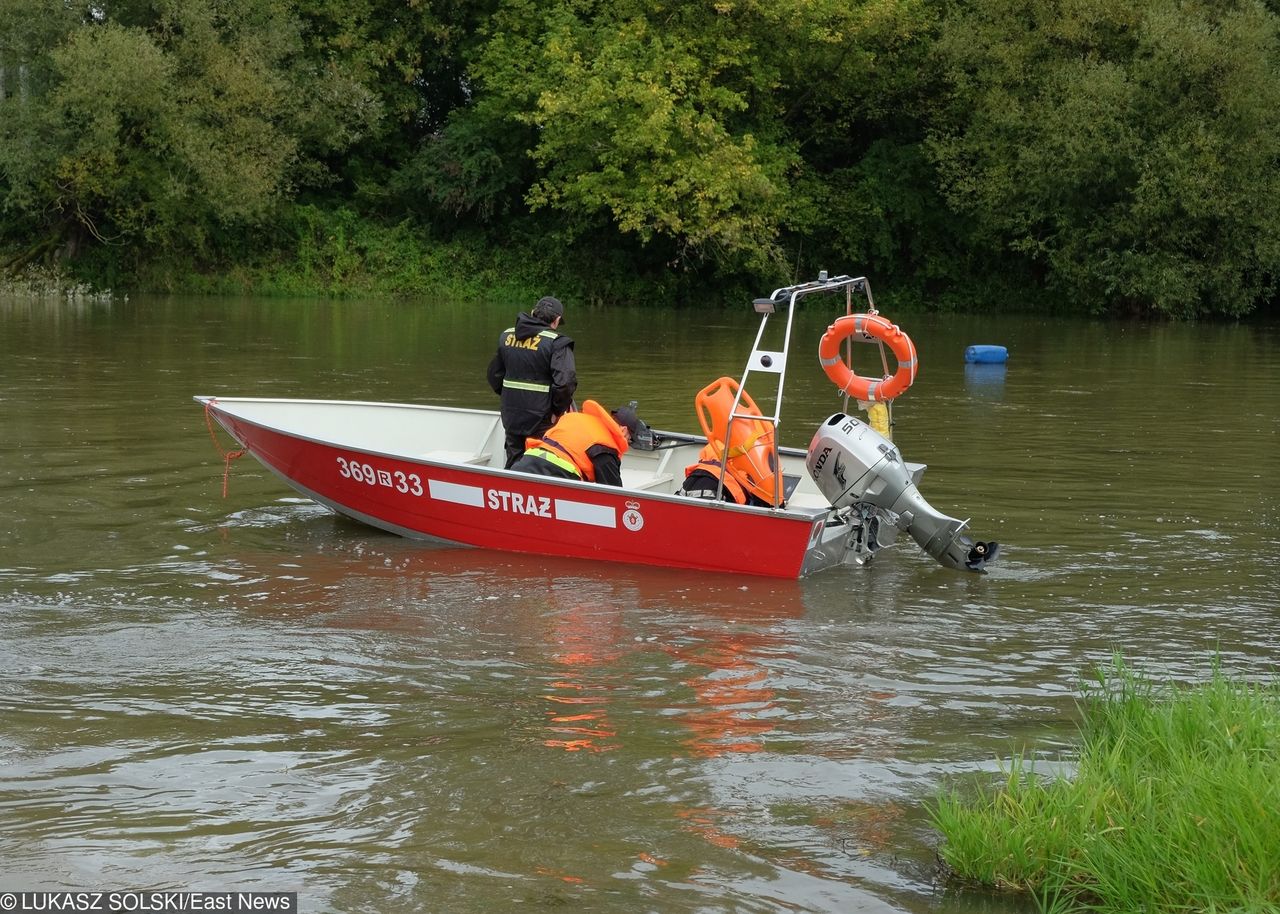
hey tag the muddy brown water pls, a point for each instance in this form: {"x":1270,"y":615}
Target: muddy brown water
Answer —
{"x":251,"y":693}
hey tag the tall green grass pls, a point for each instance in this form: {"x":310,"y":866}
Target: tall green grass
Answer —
{"x":1174,"y":805}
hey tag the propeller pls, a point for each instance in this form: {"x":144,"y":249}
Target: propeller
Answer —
{"x":980,"y":554}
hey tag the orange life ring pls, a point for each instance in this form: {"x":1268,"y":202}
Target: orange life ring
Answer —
{"x":857,"y":386}
{"x":750,"y":459}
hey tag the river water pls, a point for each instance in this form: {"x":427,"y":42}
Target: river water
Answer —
{"x":251,"y":693}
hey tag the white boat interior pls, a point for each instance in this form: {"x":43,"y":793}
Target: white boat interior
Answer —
{"x":456,"y":436}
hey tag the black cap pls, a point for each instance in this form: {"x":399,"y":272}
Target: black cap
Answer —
{"x":548,"y":308}
{"x":626,"y":417}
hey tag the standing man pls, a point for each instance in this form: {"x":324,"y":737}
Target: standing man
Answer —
{"x":534,"y":373}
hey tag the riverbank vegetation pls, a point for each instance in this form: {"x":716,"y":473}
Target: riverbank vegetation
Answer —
{"x":1097,"y":157}
{"x":1173,"y":806}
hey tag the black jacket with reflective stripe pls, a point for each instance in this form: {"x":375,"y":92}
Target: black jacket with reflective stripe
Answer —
{"x":534,"y":372}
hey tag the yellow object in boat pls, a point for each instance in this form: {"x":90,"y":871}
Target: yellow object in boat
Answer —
{"x":877,"y":417}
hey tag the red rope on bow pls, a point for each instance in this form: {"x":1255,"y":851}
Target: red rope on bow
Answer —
{"x":227,"y":456}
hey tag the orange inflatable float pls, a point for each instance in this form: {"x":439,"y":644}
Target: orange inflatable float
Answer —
{"x":858,"y":386}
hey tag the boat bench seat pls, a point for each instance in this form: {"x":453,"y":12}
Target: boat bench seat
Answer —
{"x":634,"y":479}
{"x":455,"y":457}
{"x":808,"y":500}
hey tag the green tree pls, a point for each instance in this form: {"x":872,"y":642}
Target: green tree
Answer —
{"x":1124,"y":150}
{"x":412,"y":58}
{"x":865,"y":196}
{"x":171,"y":127}
{"x":28,"y":29}
{"x":676,"y":128}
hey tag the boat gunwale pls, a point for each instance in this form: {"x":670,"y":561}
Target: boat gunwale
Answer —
{"x":804,"y":514}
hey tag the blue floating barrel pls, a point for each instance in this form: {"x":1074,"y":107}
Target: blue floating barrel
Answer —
{"x":986,"y":355}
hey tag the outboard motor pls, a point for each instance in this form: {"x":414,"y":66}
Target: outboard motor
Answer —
{"x":854,"y":464}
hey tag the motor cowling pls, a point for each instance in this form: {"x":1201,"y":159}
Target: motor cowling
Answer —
{"x":852,"y":464}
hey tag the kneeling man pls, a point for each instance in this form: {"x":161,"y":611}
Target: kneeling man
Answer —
{"x":584,"y":445}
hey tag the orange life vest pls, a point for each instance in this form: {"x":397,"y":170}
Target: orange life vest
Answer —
{"x":574,"y":433}
{"x":709,"y":461}
{"x":751,"y":457}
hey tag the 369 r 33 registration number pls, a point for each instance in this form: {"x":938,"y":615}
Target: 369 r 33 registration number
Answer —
{"x":410,"y":483}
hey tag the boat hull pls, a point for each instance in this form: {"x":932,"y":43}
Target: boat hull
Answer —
{"x":519,"y":512}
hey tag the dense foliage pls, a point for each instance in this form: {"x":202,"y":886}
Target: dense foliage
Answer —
{"x":1096,"y":155}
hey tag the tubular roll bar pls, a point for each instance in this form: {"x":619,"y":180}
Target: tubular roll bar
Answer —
{"x":775,"y":361}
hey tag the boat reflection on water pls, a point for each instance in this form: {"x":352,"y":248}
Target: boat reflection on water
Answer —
{"x":984,"y":380}
{"x":580,"y":633}
{"x":646,"y":697}
{"x":733,"y":698}
{"x":586,"y":642}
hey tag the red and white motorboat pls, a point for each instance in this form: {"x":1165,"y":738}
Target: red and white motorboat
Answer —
{"x":435,"y":472}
